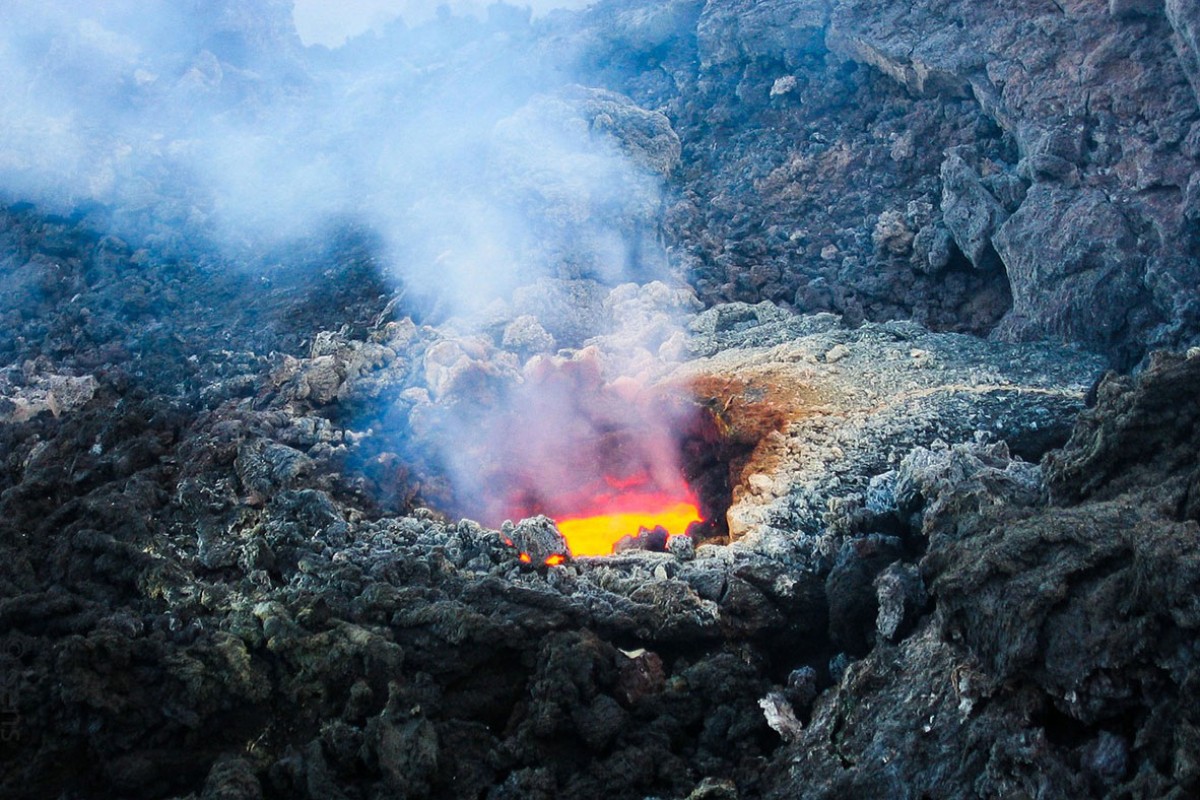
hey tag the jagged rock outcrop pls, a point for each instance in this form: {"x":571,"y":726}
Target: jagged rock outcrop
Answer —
{"x":1076,"y":119}
{"x":1140,"y":436}
{"x":971,"y":212}
{"x":1010,"y":173}
{"x":220,"y":586}
{"x":1071,"y":85}
{"x":1054,"y":660}
{"x":1185,"y":19}
{"x":231,"y":562}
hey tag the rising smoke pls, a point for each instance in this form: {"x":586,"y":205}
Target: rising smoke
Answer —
{"x":456,"y":140}
{"x":324,"y":23}
{"x":462,"y":141}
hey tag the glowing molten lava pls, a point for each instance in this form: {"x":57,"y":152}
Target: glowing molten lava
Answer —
{"x":601,"y":456}
{"x":595,"y":534}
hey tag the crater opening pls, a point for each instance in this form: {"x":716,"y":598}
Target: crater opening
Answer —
{"x":617,"y":464}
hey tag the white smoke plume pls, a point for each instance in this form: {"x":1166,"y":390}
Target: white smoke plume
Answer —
{"x":461,"y":141}
{"x":452,"y":139}
{"x":331,"y":24}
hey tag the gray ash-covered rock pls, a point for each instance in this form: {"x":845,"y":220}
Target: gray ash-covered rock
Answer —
{"x":1055,"y":659}
{"x":827,"y":409}
{"x":221,"y":582}
{"x":1027,"y":172}
{"x":230,"y":563}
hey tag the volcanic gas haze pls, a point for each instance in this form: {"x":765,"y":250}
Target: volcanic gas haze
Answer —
{"x":642,"y":401}
{"x":478,"y":170}
{"x":586,"y":437}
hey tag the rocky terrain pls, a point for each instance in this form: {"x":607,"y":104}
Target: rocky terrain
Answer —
{"x":911,"y":286}
{"x":1025,"y":171}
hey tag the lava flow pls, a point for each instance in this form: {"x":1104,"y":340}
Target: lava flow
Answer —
{"x":597,"y":533}
{"x":603,"y":458}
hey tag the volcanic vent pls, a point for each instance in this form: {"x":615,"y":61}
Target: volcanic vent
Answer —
{"x":616,"y":463}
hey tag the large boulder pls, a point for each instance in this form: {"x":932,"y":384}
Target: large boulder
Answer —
{"x":1075,"y":268}
{"x":971,"y":213}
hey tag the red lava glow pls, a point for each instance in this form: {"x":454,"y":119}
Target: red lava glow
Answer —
{"x":602,"y":456}
{"x":595,"y":533}
{"x":526,"y":558}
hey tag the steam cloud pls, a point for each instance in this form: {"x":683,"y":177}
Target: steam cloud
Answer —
{"x":320,"y":22}
{"x":461,"y":142}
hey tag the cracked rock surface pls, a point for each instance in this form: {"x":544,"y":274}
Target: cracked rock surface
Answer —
{"x":896,"y":246}
{"x":206,"y":594}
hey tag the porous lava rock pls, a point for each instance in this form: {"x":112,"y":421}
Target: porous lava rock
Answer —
{"x":229,"y":567}
{"x":1055,"y":659}
{"x":220,"y":581}
{"x":1028,"y":173}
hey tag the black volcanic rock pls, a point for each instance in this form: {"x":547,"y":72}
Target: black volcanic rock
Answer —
{"x":798,"y":146}
{"x":1185,"y":19}
{"x":227,"y":565}
{"x":1055,"y":657}
{"x":220,"y":582}
{"x":1080,"y":130}
{"x":1140,"y":436}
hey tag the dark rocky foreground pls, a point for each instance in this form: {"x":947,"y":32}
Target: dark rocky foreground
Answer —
{"x":962,"y":564}
{"x":209,"y":589}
